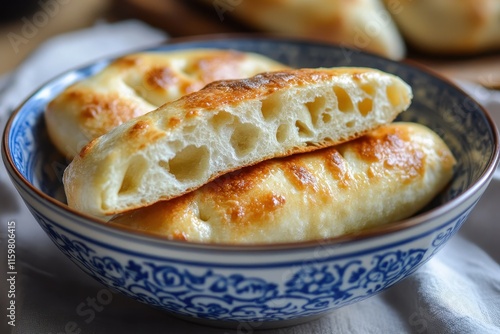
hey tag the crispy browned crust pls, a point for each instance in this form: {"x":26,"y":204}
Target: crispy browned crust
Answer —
{"x":219,"y":93}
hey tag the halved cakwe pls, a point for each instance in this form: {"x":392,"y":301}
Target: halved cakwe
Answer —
{"x":225,"y":126}
{"x":138,"y":83}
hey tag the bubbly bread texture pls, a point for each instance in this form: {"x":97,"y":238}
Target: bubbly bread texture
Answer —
{"x":225,"y":126}
{"x":384,"y":176}
{"x":139,"y":83}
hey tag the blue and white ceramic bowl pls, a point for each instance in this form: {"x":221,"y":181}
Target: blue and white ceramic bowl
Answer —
{"x":263,"y":286}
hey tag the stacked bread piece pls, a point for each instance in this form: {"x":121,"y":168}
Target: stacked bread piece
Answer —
{"x":362,"y":24}
{"x":289,"y":155}
{"x":446,"y":27}
{"x":135,"y":84}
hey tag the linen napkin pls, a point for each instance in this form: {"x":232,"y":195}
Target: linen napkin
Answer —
{"x":458,"y":291}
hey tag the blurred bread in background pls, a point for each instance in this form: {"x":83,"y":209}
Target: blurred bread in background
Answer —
{"x":362,"y":24}
{"x":448,"y":26}
{"x":428,"y":27}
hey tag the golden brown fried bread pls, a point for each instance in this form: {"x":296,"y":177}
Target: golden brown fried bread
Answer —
{"x":225,"y":126}
{"x":362,"y":24}
{"x":449,"y":26}
{"x":138,"y":83}
{"x":382,"y":177}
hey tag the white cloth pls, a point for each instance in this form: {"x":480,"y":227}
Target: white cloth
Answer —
{"x":458,"y":291}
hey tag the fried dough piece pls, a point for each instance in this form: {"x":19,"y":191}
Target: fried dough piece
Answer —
{"x":448,"y":26}
{"x":139,"y":83}
{"x":362,"y":24}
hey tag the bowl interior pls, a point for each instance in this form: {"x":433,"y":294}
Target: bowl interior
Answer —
{"x":459,"y":120}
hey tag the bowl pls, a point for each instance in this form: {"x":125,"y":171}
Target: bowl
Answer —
{"x":260,"y":286}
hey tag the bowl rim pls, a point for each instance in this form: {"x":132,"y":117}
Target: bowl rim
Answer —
{"x":368,"y":234}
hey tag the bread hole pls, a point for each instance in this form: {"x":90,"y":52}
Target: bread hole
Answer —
{"x":221,"y":119}
{"x":244,"y":138}
{"x":303,"y":129}
{"x":365,"y":106}
{"x":343,"y":99}
{"x":350,"y":124}
{"x":270,"y":107}
{"x":393,"y":95}
{"x":315,"y":108}
{"x":191,"y":163}
{"x":136,"y":168}
{"x":282,"y":133}
{"x":369,"y":89}
{"x":326,"y":117}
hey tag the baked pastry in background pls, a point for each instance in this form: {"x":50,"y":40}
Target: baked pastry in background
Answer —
{"x":362,"y":24}
{"x":225,"y":126}
{"x":138,"y":83}
{"x":448,"y":26}
{"x":387,"y":175}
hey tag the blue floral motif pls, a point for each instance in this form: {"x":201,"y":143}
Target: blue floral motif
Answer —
{"x":216,"y":294}
{"x":391,"y":267}
{"x":135,"y":272}
{"x":343,"y":282}
{"x":443,"y":237}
